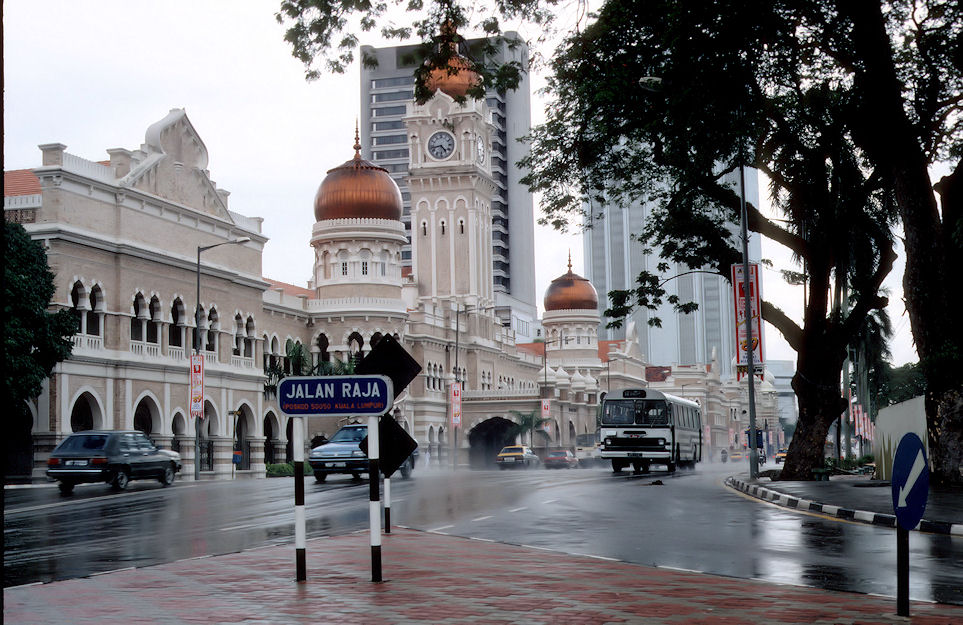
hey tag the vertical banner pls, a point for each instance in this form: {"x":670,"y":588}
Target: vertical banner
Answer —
{"x":197,"y":386}
{"x":546,"y":408}
{"x":742,"y":335}
{"x":456,"y":404}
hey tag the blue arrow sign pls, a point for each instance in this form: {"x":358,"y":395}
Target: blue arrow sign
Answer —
{"x":335,"y":395}
{"x":911,"y":481}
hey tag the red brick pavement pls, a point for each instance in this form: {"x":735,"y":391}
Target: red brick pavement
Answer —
{"x":433,"y":578}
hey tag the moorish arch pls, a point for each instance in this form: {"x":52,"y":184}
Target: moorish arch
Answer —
{"x":86,"y":413}
{"x":486,"y":439}
{"x":272,"y":438}
{"x":147,"y":414}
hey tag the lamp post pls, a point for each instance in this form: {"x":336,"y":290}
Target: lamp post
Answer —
{"x":197,"y":346}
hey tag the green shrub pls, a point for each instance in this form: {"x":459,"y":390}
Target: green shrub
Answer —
{"x":285,"y":469}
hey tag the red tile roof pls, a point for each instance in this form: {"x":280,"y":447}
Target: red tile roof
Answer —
{"x":657,"y":374}
{"x":20,"y":182}
{"x":290,"y":289}
{"x":535,"y":349}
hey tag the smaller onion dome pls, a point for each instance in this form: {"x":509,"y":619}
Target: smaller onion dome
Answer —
{"x":358,"y":190}
{"x":563,"y":378}
{"x":571,"y":292}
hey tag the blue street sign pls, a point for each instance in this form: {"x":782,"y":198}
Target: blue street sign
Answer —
{"x":911,"y":481}
{"x":335,"y":395}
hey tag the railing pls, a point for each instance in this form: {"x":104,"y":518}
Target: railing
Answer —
{"x":242,"y":362}
{"x":91,"y":169}
{"x":176,"y":353}
{"x":210,"y":358}
{"x":22,"y":201}
{"x":501,"y":393}
{"x":86,"y":341}
{"x":140,"y":348}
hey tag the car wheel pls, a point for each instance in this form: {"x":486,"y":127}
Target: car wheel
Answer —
{"x":356,"y":476}
{"x":320,"y":477}
{"x":168,"y":476}
{"x":121,"y":479}
{"x":66,"y":487}
{"x":616,"y":466}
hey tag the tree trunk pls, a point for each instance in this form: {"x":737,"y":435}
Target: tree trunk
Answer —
{"x":817,"y":388}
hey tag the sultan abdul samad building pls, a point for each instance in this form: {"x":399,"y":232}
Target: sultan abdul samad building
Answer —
{"x":122,"y":238}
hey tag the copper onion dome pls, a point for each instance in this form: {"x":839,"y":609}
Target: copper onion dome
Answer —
{"x":571,"y":292}
{"x":358,"y":190}
{"x":458,"y":77}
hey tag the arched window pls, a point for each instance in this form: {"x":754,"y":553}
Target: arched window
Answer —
{"x":95,"y":311}
{"x":250,"y":330}
{"x":137,"y":321}
{"x":78,"y":296}
{"x":356,"y":346}
{"x":153,"y":326}
{"x":175,"y":335}
{"x":238,"y":335}
{"x":212,"y":330}
{"x":323,"y":344}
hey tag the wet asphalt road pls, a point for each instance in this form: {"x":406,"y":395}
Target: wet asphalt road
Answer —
{"x":690,"y":522}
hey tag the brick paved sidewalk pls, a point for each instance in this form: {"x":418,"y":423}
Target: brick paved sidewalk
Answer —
{"x":433,"y":578}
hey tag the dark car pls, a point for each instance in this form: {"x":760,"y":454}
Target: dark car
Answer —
{"x":342,"y":454}
{"x":114,"y":457}
{"x":560,"y":460}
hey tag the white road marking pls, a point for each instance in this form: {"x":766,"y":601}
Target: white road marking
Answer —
{"x":482,"y":518}
{"x":237,"y":527}
{"x":484,"y":540}
{"x":129,"y":568}
{"x":550,"y":501}
{"x":438,"y":529}
{"x":678,"y":568}
{"x":519,"y":509}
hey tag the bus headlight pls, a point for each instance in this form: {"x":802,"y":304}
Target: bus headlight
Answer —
{"x":607,"y":442}
{"x":662,"y":442}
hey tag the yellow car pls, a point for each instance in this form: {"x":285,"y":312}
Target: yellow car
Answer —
{"x":516,"y":456}
{"x":781,"y":455}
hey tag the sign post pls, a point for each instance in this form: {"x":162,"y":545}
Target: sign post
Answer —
{"x":334,"y":396}
{"x":910,"y":483}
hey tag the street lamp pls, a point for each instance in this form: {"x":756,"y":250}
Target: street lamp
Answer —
{"x":459,"y":311}
{"x":197,"y":347}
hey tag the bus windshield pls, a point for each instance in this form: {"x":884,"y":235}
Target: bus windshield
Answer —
{"x":635,"y":412}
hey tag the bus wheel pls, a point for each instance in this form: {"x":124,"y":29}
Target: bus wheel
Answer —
{"x":671,"y":467}
{"x":616,"y":466}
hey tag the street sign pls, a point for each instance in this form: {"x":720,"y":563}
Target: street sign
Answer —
{"x":335,"y":395}
{"x":389,"y":358}
{"x":910,"y":481}
{"x":197,"y":386}
{"x":396,"y":445}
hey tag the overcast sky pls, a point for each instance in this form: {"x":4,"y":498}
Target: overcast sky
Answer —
{"x":94,"y":75}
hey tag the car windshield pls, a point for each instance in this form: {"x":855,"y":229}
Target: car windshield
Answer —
{"x":349,"y":435}
{"x":92,"y":442}
{"x":635,"y":412}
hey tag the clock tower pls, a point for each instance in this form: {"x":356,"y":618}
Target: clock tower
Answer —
{"x":450,"y":180}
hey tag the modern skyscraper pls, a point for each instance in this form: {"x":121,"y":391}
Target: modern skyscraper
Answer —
{"x":386,"y":92}
{"x":614,"y":259}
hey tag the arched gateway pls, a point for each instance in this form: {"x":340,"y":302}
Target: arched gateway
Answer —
{"x":486,"y":439}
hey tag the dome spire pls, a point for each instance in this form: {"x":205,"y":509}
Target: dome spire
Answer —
{"x":570,"y":260}
{"x":357,"y":141}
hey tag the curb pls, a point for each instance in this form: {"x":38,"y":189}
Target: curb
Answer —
{"x":858,"y":516}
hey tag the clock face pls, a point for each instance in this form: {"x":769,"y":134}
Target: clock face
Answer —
{"x":480,"y":150}
{"x":441,"y":145}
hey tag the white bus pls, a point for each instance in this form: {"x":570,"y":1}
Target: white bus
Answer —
{"x":642,"y":427}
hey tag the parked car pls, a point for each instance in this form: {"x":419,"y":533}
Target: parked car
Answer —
{"x":342,"y":454}
{"x":781,"y":455}
{"x":516,"y":456}
{"x":114,"y":457}
{"x":561,"y":460}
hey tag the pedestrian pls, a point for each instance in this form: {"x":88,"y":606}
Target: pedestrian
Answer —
{"x":427,"y":459}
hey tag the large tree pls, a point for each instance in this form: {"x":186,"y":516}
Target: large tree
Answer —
{"x":34,"y":338}
{"x":842,"y":103}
